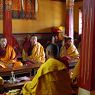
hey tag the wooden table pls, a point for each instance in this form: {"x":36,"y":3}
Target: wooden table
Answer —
{"x":21,"y":70}
{"x":9,"y":86}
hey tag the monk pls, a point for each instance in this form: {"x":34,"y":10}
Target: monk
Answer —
{"x":75,"y":71}
{"x":52,"y":77}
{"x":16,"y":46}
{"x":69,"y":50}
{"x":8,"y":56}
{"x":37,"y":54}
{"x":27,"y":45}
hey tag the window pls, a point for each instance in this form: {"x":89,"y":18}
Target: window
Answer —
{"x":80,"y":21}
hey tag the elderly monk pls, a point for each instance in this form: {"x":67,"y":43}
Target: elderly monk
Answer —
{"x":52,"y":77}
{"x":69,"y":50}
{"x":8,"y":55}
{"x":37,"y":54}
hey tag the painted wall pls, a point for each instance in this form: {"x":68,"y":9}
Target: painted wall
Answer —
{"x":50,"y":13}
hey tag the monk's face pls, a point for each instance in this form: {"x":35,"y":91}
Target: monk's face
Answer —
{"x":3,"y":42}
{"x":67,"y":43}
{"x":28,"y":37}
{"x":33,"y":41}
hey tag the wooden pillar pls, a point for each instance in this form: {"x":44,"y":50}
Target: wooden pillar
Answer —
{"x":87,"y":64}
{"x":7,"y":20}
{"x":69,"y":25}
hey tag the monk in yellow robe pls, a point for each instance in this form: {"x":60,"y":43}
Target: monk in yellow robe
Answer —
{"x":37,"y":54}
{"x":75,"y":71}
{"x":52,"y":77}
{"x":69,"y":50}
{"x":9,"y":56}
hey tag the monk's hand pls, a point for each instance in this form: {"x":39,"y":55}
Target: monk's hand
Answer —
{"x":68,"y":59}
{"x":33,"y":61}
{"x":39,"y":64}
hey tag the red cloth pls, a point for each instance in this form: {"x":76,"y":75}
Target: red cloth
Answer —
{"x":27,"y":46}
{"x":64,"y":60}
{"x":16,"y":46}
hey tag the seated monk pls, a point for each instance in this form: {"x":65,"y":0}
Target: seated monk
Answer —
{"x":27,"y":45}
{"x":52,"y":77}
{"x":75,"y":71}
{"x":16,"y":46}
{"x":37,"y":54}
{"x":8,"y":56}
{"x":69,"y":50}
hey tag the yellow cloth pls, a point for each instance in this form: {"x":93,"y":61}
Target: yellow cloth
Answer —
{"x":13,"y":92}
{"x":75,"y":72}
{"x":71,"y":52}
{"x":51,"y":79}
{"x":38,"y":53}
{"x":9,"y":57}
{"x":10,"y":54}
{"x":24,"y":55}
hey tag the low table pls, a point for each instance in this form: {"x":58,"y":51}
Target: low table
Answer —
{"x":8,"y":86}
{"x":21,"y":70}
{"x":24,"y":71}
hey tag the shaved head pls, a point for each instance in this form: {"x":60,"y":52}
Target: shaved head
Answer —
{"x":52,"y":50}
{"x":33,"y":40}
{"x":3,"y":42}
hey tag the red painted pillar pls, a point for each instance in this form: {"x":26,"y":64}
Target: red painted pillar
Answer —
{"x":69,"y":25}
{"x":7,"y":20}
{"x":87,"y":64}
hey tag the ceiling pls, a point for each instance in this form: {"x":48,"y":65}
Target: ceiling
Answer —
{"x":65,"y":0}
